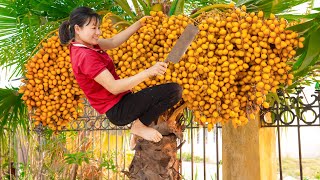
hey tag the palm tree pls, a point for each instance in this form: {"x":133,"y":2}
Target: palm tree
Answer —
{"x":23,"y":24}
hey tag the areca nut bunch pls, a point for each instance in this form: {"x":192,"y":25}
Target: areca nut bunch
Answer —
{"x":51,"y":93}
{"x":235,"y":61}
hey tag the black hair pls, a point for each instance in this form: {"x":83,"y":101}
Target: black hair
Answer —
{"x":78,"y":16}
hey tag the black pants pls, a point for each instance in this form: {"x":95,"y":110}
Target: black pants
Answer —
{"x":147,"y":104}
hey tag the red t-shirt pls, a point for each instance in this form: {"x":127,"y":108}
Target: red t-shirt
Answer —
{"x":87,"y":63}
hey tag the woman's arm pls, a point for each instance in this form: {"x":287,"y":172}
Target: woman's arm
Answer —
{"x":115,"y":87}
{"x":120,"y":38}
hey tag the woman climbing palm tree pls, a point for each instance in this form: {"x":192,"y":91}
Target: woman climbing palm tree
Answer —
{"x":95,"y":73}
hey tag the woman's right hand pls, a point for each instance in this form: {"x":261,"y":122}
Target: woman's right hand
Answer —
{"x":158,"y":69}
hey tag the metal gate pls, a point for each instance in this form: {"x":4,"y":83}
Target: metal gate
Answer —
{"x":298,"y":111}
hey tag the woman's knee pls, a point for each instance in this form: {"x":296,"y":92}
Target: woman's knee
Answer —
{"x":177,"y":90}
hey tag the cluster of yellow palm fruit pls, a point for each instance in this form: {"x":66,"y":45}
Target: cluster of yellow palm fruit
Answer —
{"x":106,"y":27}
{"x":149,"y":45}
{"x":235,"y":61}
{"x":247,"y":57}
{"x":51,"y":92}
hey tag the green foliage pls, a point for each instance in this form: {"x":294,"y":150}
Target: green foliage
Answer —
{"x":188,"y":116}
{"x":317,"y":86}
{"x":13,"y":112}
{"x":145,"y":6}
{"x":298,"y":17}
{"x":193,"y":5}
{"x":126,"y":8}
{"x":77,"y":158}
{"x":108,"y":161}
{"x":309,"y":56}
{"x":312,"y":55}
{"x":177,"y":7}
{"x":271,"y":6}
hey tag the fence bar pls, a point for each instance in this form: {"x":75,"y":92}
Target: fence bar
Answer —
{"x":180,"y":156}
{"x":217,"y":150}
{"x":191,"y":150}
{"x":39,"y":151}
{"x":299,"y":144}
{"x":204,"y":153}
{"x":279,"y":151}
{"x":10,"y":155}
{"x":100,"y":154}
{"x":92,"y":145}
{"x":124,"y":143}
{"x":108,"y":151}
{"x":117,"y":152}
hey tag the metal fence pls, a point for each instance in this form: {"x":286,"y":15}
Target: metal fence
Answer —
{"x":297,"y":110}
{"x":93,"y":148}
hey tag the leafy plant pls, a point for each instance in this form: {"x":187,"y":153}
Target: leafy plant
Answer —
{"x":77,"y":158}
{"x":108,"y":162}
{"x":13,"y":111}
{"x":317,"y":86}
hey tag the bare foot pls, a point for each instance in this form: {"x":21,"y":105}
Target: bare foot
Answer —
{"x":147,"y":133}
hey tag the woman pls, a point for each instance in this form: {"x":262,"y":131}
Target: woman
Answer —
{"x":95,"y":73}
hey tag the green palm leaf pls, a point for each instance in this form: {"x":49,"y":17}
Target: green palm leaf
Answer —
{"x":13,"y":112}
{"x":312,"y":55}
{"x":145,"y":6}
{"x":271,"y":6}
{"x":126,"y":8}
{"x":294,"y":17}
{"x":309,"y":55}
{"x":137,"y":8}
{"x":193,"y":5}
{"x":177,"y":7}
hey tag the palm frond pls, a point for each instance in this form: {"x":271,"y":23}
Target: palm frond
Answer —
{"x":145,"y":6}
{"x":137,"y":8}
{"x":298,"y":17}
{"x":177,"y":7}
{"x":126,"y":8}
{"x":309,"y":55}
{"x":271,"y":6}
{"x":193,"y":5}
{"x":13,"y":112}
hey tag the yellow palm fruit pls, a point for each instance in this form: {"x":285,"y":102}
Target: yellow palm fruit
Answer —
{"x":265,"y":105}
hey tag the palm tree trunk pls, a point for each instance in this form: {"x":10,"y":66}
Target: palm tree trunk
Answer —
{"x":158,"y":161}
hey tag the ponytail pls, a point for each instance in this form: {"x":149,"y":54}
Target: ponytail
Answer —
{"x":65,"y":35}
